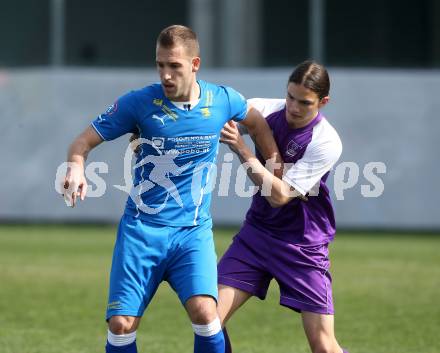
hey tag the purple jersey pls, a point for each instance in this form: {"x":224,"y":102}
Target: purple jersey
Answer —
{"x":309,"y":153}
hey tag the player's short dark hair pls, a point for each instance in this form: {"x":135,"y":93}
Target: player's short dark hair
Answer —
{"x":179,"y":35}
{"x":313,"y":76}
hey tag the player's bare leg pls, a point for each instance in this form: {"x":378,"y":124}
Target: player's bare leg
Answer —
{"x":229,"y":300}
{"x":208,"y":335}
{"x":319,"y":329}
{"x":122,"y":334}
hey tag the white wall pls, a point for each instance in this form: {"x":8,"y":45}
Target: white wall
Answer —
{"x":381,"y":116}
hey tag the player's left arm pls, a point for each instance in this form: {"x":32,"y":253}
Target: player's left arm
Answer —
{"x":299,"y":178}
{"x":279,"y":191}
{"x":257,"y":128}
{"x":262,"y":135}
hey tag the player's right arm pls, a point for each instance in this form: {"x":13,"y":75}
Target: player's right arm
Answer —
{"x":75,"y":183}
{"x":119,"y":119}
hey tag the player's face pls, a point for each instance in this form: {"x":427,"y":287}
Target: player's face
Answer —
{"x":302,"y":105}
{"x":177,"y":71}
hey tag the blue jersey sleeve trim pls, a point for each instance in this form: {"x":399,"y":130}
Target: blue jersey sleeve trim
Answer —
{"x":97,"y":131}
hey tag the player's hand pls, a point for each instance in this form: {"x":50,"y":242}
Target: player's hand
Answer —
{"x":74,"y":185}
{"x":134,"y":147}
{"x":232,"y":137}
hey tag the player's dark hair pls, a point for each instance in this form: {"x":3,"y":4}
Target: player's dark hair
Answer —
{"x":178,"y":34}
{"x":312,"y":76}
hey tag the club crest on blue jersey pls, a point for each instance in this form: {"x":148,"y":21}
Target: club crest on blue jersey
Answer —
{"x":206,"y":113}
{"x":112,"y":109}
{"x":158,"y":102}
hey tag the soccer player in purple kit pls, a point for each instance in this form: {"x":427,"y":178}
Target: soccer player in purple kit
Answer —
{"x":286,"y":232}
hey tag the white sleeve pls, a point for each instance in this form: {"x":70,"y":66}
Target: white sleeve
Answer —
{"x":265,"y":106}
{"x":320,"y":156}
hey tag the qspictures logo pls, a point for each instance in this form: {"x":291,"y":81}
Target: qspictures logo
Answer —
{"x":208,"y":177}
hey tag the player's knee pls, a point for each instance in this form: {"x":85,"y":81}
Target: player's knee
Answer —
{"x":202,"y":311}
{"x":204,"y":315}
{"x":120,"y":325}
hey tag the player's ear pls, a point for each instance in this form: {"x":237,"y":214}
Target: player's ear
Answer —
{"x":195,"y":64}
{"x":323,"y":101}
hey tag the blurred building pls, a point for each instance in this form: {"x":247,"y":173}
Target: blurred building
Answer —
{"x":259,"y":33}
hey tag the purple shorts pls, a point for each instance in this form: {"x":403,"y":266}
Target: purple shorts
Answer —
{"x":302,"y":272}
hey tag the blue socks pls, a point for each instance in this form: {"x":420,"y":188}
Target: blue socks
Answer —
{"x":209,"y":338}
{"x":121,"y":343}
{"x":130,"y":348}
{"x":209,"y":344}
{"x":228,"y":346}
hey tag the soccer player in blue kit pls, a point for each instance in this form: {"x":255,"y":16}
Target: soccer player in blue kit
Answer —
{"x":165,"y":232}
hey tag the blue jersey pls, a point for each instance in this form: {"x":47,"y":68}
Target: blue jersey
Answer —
{"x":174,"y":166}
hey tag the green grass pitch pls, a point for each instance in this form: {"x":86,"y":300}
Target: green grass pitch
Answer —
{"x":53,"y":291}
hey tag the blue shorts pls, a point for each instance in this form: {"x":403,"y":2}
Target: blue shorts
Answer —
{"x":147,"y":254}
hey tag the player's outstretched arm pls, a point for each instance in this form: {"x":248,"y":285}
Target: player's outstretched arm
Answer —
{"x":276,"y":191}
{"x":75,"y":183}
